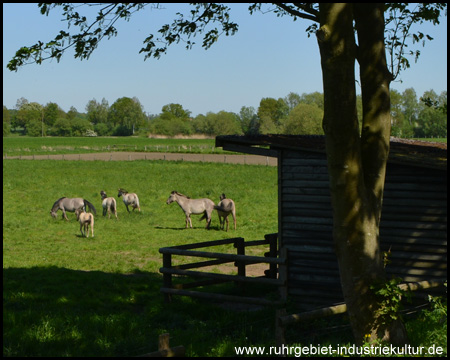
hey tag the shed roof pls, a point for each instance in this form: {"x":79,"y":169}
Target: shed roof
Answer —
{"x":405,"y":151}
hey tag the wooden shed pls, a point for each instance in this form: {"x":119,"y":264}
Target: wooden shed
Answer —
{"x":414,"y":216}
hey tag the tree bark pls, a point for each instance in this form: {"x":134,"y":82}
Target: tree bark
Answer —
{"x":376,"y":129}
{"x":356,"y":164}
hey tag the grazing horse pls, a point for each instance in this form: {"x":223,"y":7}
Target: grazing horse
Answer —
{"x":86,"y":220}
{"x":70,"y":204}
{"x":109,"y":204}
{"x":193,"y":206}
{"x":225,"y":208}
{"x":129,"y":199}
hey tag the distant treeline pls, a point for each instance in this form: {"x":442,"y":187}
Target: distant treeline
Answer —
{"x":425,"y":117}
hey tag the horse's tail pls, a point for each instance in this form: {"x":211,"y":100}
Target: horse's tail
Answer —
{"x":112,"y":207}
{"x":220,"y":208}
{"x":91,"y":207}
{"x":204,"y":216}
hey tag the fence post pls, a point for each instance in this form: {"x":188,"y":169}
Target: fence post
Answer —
{"x":163,"y":342}
{"x":280,"y":336}
{"x":167,"y":278}
{"x":283,"y":276}
{"x":240,"y":247}
{"x":273,"y":249}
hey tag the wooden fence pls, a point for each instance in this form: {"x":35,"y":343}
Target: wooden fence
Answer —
{"x":275,"y":275}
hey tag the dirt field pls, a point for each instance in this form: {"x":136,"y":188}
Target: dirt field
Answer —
{"x":130,"y":156}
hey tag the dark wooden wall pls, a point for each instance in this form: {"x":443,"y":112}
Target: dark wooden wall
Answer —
{"x":413,"y":226}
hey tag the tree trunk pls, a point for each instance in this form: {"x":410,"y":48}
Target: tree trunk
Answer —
{"x":376,"y":128}
{"x":356,"y":164}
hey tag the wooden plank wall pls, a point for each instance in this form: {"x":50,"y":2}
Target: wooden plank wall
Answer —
{"x":414,"y":226}
{"x":414,"y":222}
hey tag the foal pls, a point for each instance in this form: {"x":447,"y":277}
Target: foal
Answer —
{"x":109,"y":204}
{"x":225,"y":208}
{"x":86,"y":220}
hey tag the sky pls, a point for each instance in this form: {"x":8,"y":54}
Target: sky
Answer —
{"x":267,"y":57}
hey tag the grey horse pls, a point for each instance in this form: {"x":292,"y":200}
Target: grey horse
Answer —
{"x":225,"y":208}
{"x":70,"y":204}
{"x":109,"y":205}
{"x":129,"y":199}
{"x":193,"y":206}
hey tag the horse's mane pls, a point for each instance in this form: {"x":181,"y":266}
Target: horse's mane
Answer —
{"x":123,"y":191}
{"x":180,"y":194}
{"x":57,"y":201}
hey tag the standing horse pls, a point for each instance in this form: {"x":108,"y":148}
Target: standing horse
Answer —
{"x":193,"y":206}
{"x":225,"y":208}
{"x":70,"y":204}
{"x":86,"y":220}
{"x":109,"y":204}
{"x":129,"y":199}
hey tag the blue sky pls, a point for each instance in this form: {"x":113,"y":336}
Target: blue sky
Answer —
{"x":267,"y":57}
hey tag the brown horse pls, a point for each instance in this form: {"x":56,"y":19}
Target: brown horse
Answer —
{"x":225,"y":208}
{"x":86,"y":220}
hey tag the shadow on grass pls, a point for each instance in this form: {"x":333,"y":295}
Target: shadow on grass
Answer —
{"x":52,"y":311}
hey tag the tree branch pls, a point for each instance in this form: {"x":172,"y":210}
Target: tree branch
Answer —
{"x":313,"y":14}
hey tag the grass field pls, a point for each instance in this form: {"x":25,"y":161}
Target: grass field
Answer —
{"x":24,"y":145}
{"x":65,"y":295}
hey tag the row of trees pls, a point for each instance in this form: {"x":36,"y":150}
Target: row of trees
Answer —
{"x":293,"y":114}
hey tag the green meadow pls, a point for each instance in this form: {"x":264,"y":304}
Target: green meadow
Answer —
{"x":24,"y":145}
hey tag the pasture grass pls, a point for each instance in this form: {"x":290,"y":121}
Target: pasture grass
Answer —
{"x":66,"y":295}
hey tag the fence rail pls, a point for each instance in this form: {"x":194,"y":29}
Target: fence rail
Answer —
{"x":274,"y":275}
{"x":282,"y":319}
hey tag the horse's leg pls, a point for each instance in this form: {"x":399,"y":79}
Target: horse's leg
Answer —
{"x":220,"y":221}
{"x":233,"y":213}
{"x":127,"y":208}
{"x":208,"y":219}
{"x":226,"y":219}
{"x":64,"y":214}
{"x":92,"y":225}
